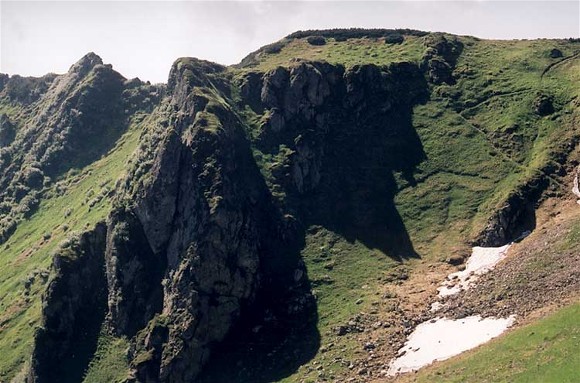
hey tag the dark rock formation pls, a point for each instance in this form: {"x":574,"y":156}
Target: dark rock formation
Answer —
{"x":440,"y":57}
{"x":134,"y":274}
{"x":394,"y":38}
{"x":316,"y":40}
{"x":317,"y":115}
{"x":7,"y":131}
{"x":516,"y":215}
{"x":188,"y":247}
{"x":73,"y":309}
{"x":543,"y":105}
{"x":555,"y":53}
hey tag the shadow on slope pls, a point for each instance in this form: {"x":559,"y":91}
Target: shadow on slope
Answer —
{"x":279,"y":333}
{"x":338,"y":175}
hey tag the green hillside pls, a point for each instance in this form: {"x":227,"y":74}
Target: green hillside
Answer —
{"x":344,"y":163}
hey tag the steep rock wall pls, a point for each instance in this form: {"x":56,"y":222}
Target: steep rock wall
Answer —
{"x":188,"y":247}
{"x":73,"y":309}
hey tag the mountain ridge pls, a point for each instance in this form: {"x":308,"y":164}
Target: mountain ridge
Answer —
{"x":290,"y":186}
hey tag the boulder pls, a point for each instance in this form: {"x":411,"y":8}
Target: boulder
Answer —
{"x":555,"y":53}
{"x":543,"y":105}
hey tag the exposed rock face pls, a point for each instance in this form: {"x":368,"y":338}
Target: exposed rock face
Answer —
{"x":516,"y":215}
{"x":543,"y":105}
{"x":317,"y":115}
{"x":134,"y":274}
{"x":509,"y":222}
{"x":195,"y":226}
{"x":440,"y":57}
{"x":555,"y":53}
{"x":316,"y":40}
{"x":73,"y":309}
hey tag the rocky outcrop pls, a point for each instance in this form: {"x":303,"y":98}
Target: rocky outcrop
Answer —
{"x":543,"y":105}
{"x":73,"y":308}
{"x":440,"y":57}
{"x":316,"y":116}
{"x":7,"y":131}
{"x":555,"y":53}
{"x":508,"y":223}
{"x":515,"y":216}
{"x":185,"y":250}
{"x":134,"y":274}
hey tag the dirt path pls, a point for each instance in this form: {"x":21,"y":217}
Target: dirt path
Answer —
{"x":555,"y":64}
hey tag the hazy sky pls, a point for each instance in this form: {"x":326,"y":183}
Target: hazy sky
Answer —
{"x":143,"y":38}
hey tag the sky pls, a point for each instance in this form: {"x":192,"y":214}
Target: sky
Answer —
{"x":143,"y":38}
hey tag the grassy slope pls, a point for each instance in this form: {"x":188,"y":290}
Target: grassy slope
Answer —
{"x":349,"y":53}
{"x":110,"y":362}
{"x":28,"y":252}
{"x":467,"y":174}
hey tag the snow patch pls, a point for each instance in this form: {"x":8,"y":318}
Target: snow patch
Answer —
{"x":482,"y":260}
{"x":575,"y":188}
{"x":441,"y":338}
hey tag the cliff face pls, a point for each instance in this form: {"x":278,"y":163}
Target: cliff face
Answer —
{"x":199,"y":218}
{"x":315,"y":118}
{"x":74,"y":307}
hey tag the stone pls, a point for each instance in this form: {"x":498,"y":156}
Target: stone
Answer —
{"x":369,"y":346}
{"x":543,"y":105}
{"x":456,"y":259}
{"x":555,"y":53}
{"x":316,"y":40}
